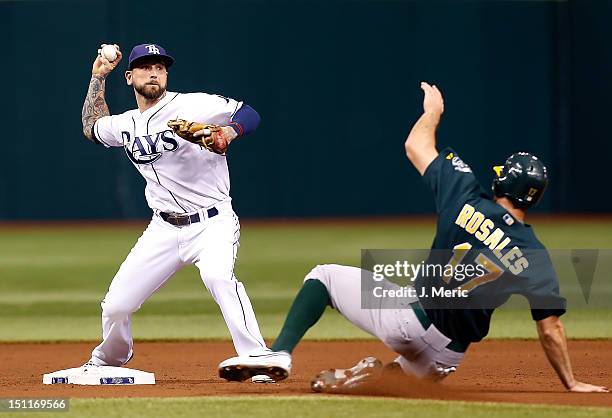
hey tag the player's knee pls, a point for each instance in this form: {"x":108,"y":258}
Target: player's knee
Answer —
{"x":213,"y":278}
{"x":320,"y":273}
{"x":118,"y":310}
{"x":216,"y":276}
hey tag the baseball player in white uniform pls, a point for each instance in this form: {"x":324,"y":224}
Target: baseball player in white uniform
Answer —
{"x":187,"y":188}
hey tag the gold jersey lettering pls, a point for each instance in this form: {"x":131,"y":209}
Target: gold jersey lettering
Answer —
{"x":497,"y":250}
{"x":485,"y":229}
{"x":519,"y":265}
{"x":493,"y":240}
{"x":465,"y":214}
{"x":510,"y":256}
{"x":475,"y":222}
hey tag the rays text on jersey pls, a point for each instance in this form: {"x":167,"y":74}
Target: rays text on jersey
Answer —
{"x":147,"y":149}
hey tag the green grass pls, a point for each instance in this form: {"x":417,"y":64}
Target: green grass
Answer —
{"x":52,"y":279}
{"x":313,"y":406}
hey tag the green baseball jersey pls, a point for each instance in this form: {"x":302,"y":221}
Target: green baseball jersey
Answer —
{"x":487,"y":255}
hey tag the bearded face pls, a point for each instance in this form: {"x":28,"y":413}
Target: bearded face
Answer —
{"x":149,"y":77}
{"x":151,"y":90}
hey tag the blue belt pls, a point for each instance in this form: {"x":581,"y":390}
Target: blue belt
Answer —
{"x":183,"y":220}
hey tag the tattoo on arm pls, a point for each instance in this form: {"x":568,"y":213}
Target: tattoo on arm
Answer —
{"x":94,"y":106}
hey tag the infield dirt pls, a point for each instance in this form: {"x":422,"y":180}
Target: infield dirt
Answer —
{"x":496,"y":371}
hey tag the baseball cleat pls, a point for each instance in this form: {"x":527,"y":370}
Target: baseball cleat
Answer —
{"x":338,"y":379}
{"x":262,"y":378}
{"x":89,"y":365}
{"x":274,"y":364}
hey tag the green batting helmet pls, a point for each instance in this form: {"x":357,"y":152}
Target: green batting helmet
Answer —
{"x":522,"y":179}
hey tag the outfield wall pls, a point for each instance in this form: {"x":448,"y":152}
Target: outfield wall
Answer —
{"x":336,"y":83}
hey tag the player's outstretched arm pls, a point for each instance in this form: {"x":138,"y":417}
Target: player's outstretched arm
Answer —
{"x":554,"y":343}
{"x":421,"y":143}
{"x":95,"y":105}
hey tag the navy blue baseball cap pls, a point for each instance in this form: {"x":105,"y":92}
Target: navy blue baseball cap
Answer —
{"x":149,"y":50}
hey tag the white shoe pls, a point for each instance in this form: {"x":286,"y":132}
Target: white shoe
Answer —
{"x":274,"y":364}
{"x":89,"y":365}
{"x":262,"y":378}
{"x":333,"y":380}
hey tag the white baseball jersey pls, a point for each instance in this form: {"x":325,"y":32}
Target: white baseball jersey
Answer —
{"x":181,"y":177}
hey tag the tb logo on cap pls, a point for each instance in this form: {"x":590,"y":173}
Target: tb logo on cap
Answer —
{"x":152,"y":49}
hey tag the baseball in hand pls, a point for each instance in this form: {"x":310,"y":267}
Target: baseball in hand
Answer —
{"x":109,"y":52}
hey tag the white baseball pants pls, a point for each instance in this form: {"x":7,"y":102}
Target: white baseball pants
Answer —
{"x":420,"y":350}
{"x":162,"y":250}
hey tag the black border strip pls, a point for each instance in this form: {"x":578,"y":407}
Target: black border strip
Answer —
{"x":244,"y":315}
{"x":236,"y":285}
